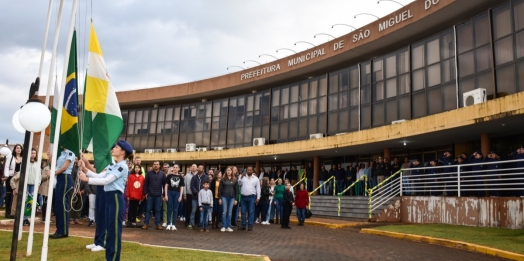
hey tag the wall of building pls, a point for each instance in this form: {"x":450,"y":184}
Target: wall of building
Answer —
{"x":466,"y":211}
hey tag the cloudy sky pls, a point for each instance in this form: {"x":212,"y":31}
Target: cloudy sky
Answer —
{"x":155,"y":43}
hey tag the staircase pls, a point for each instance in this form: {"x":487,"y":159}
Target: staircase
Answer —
{"x":351,"y":208}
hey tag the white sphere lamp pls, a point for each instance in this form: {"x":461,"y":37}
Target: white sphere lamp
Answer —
{"x":16,"y":122}
{"x":4,"y":151}
{"x":34,"y":116}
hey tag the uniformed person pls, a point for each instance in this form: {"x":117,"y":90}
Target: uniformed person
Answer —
{"x":64,"y":182}
{"x":114,"y":179}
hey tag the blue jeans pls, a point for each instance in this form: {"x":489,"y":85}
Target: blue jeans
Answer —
{"x":248,"y":208}
{"x":323,"y":189}
{"x":406,"y":186}
{"x":194,"y":204}
{"x":172,"y":206}
{"x":278,"y":208}
{"x":157,"y":203}
{"x":271,"y":211}
{"x":340,"y":185}
{"x":264,"y":206}
{"x":301,"y":213}
{"x":204,"y":217}
{"x":227,"y":211}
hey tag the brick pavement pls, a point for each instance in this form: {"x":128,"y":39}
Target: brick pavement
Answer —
{"x":298,"y":243}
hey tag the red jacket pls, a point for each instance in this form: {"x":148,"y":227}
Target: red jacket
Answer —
{"x":135,"y":187}
{"x":301,"y":198}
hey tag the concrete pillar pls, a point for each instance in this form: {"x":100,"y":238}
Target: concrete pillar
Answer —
{"x":316,"y":172}
{"x":387,"y":154}
{"x":257,"y":167}
{"x":485,"y":143}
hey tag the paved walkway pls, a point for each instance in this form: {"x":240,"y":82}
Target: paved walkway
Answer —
{"x":299,"y":243}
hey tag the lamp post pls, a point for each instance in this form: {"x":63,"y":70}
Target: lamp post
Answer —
{"x":315,"y":36}
{"x":378,"y":2}
{"x":366,"y":14}
{"x":235,"y":66}
{"x":267,"y":55}
{"x":305,"y":43}
{"x":354,"y":28}
{"x":34,"y":116}
{"x":252,"y":61}
{"x":286,"y":49}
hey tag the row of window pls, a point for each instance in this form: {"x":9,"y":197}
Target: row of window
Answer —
{"x":421,"y":79}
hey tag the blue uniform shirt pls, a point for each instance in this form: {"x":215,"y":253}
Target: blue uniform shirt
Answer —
{"x":66,"y":155}
{"x":120,"y":170}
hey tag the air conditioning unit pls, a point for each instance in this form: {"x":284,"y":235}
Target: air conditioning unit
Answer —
{"x":191,"y":147}
{"x":342,"y":133}
{"x":316,"y":136}
{"x":259,"y":141}
{"x":157,"y":150}
{"x":172,"y":150}
{"x":397,"y":122}
{"x":149,"y":150}
{"x":474,"y":97}
{"x":218,"y":148}
{"x":201,"y":149}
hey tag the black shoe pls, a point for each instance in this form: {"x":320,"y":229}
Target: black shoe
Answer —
{"x":91,"y":223}
{"x":250,"y":229}
{"x":242,"y":228}
{"x":287,"y":227}
{"x":271,"y":221}
{"x":26,"y":222}
{"x":57,"y":236}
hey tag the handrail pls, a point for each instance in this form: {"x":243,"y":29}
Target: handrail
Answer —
{"x":298,"y":182}
{"x":339,"y":195}
{"x":370,"y":191}
{"x":323,"y":184}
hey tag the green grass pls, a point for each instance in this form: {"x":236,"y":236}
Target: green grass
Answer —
{"x":73,"y":248}
{"x":502,"y":238}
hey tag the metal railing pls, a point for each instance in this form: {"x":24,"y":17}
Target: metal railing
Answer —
{"x":362,"y":178}
{"x":488,"y":178}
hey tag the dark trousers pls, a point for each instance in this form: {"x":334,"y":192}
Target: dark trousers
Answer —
{"x":44,"y":207}
{"x":62,"y":207}
{"x":287,"y":212}
{"x":114,"y":215}
{"x":188,"y":206}
{"x":234,"y":215}
{"x":133,"y":210}
{"x":8,"y":202}
{"x":100,"y":216}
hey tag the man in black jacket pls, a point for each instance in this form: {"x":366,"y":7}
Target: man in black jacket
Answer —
{"x":288,"y":204}
{"x":153,"y":192}
{"x":324,"y":175}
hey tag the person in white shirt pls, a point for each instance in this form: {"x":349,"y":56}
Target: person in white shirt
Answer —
{"x":250,"y":190}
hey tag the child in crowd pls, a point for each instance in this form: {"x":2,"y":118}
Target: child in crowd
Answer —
{"x":205,"y":202}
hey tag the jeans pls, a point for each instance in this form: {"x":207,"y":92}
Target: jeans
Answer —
{"x":157,"y":203}
{"x":172,"y":206}
{"x":194,"y":206}
{"x":92,"y":200}
{"x":323,"y":189}
{"x":278,"y":208}
{"x":227,"y":211}
{"x":217,"y":208}
{"x":406,"y":186}
{"x":271,"y":211}
{"x":264,"y":206}
{"x":248,"y":208}
{"x":340,"y":185}
{"x":301,"y":213}
{"x":204,"y":216}
{"x":181,"y":209}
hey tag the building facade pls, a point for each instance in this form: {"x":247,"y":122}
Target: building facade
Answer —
{"x":411,"y":67}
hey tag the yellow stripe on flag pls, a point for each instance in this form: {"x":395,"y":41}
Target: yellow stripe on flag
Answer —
{"x":96,"y":97}
{"x":94,"y":46}
{"x":67,"y":121}
{"x":70,"y":77}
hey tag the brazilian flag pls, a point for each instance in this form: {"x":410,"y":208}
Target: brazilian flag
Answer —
{"x":28,"y":205}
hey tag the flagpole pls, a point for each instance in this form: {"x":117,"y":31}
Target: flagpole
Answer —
{"x":42,"y":133}
{"x":42,"y":55}
{"x":57,"y":133}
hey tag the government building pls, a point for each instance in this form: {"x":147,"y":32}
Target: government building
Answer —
{"x":432,"y":76}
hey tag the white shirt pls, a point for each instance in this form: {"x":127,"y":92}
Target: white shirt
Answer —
{"x":250,"y":185}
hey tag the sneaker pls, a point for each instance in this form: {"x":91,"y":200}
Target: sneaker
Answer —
{"x":201,"y":230}
{"x":229,"y":229}
{"x":160,"y":227}
{"x":189,"y":227}
{"x":223,"y":229}
{"x":123,"y":223}
{"x":91,"y":223}
{"x":145,"y":226}
{"x":90,"y":246}
{"x":206,"y":230}
{"x":168,"y":227}
{"x":137,"y":220}
{"x":97,"y":248}
{"x":173,"y":228}
{"x":164,"y":225}
{"x":257,"y":221}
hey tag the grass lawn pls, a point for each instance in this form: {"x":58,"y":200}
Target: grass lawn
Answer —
{"x":505,"y":239}
{"x":73,"y":248}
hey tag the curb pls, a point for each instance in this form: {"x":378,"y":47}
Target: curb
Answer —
{"x":447,"y":243}
{"x":330,"y":225}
